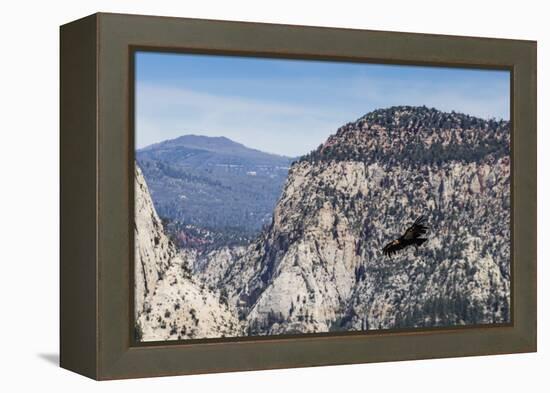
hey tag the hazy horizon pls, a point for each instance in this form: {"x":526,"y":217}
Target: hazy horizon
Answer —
{"x":288,"y":107}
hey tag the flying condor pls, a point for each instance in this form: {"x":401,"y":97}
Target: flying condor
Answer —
{"x":412,"y":236}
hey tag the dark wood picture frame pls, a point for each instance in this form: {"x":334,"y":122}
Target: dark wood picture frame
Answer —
{"x":97,"y":182}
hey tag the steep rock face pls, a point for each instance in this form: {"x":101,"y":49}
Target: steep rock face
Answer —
{"x":169,"y":303}
{"x":319,"y":266}
{"x":153,"y":252}
{"x":309,"y":257}
{"x":462,"y":274}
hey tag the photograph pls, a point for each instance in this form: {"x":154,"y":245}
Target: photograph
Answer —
{"x":277,"y":197}
{"x":257,"y":197}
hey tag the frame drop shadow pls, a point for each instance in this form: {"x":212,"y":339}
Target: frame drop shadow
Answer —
{"x":52,"y":358}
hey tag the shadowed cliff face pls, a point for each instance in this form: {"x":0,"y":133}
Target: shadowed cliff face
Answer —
{"x":319,"y":266}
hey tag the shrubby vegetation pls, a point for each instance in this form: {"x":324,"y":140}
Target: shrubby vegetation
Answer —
{"x":415,"y":136}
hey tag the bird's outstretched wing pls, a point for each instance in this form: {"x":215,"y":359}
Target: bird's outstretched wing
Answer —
{"x":417,"y":229}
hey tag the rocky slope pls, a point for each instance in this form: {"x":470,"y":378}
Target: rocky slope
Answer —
{"x":169,"y":303}
{"x":319,"y":266}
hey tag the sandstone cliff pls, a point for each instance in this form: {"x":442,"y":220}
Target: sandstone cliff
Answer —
{"x":169,"y":303}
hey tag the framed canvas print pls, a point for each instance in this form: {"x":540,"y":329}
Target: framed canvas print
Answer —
{"x":240,"y":196}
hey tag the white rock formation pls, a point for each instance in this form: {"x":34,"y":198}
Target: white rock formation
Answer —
{"x":169,"y":303}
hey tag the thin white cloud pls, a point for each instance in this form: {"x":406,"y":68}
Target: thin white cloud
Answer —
{"x":168,"y":112}
{"x":278,"y":126}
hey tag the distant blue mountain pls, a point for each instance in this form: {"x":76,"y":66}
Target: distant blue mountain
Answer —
{"x":212,"y":187}
{"x":220,"y":146}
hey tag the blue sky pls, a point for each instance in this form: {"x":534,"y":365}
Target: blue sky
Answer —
{"x":291,"y":106}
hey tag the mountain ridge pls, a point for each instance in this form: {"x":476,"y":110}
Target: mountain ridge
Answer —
{"x":435,"y":136}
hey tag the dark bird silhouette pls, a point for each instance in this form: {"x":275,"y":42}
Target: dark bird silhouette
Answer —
{"x":411,"y":237}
